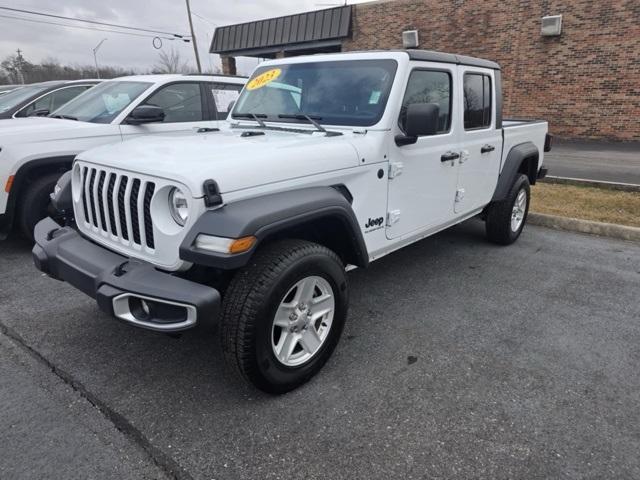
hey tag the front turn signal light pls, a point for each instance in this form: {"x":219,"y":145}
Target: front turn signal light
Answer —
{"x":224,"y":245}
{"x":9,"y":184}
{"x":243,"y":244}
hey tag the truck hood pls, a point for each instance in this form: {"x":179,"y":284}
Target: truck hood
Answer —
{"x":233,"y":161}
{"x":42,"y":129}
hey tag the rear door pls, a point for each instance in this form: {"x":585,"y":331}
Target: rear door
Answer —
{"x":480,"y":140}
{"x":185,"y":107}
{"x":422,"y":183}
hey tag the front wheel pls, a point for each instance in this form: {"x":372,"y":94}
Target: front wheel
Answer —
{"x":283,"y":314}
{"x":34,"y":204}
{"x":506,"y":219}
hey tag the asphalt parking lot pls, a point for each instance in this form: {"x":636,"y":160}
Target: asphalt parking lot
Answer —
{"x":460,"y":359}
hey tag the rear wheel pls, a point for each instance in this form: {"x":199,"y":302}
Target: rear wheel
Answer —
{"x":283,"y":314}
{"x":34,"y":204}
{"x":506,"y":219}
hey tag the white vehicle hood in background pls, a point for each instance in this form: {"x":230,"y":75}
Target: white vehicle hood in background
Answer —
{"x":234,"y":162}
{"x":43,"y":129}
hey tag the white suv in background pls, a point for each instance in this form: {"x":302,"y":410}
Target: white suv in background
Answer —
{"x":34,"y":152}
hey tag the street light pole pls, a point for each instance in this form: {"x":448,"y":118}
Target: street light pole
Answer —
{"x":95,"y":57}
{"x":193,"y":38}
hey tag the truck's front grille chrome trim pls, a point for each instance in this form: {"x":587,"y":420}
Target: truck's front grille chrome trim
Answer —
{"x":118,"y":206}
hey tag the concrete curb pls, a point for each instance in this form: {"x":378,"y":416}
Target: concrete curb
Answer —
{"x":580,"y":182}
{"x":585,"y":226}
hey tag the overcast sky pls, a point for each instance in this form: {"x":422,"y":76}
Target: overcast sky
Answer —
{"x":74,"y":46}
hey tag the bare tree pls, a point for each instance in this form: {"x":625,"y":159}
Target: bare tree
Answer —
{"x":171,"y":62}
{"x":51,"y":69}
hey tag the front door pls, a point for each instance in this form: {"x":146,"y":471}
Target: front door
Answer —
{"x":185,"y":108}
{"x":422,"y":182}
{"x":480,"y":140}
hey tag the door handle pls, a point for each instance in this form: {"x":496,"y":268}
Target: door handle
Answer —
{"x":449,"y":156}
{"x":487,"y":149}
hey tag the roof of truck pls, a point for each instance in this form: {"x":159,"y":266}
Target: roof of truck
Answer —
{"x":442,"y":57}
{"x":420,"y":55}
{"x":433,"y":56}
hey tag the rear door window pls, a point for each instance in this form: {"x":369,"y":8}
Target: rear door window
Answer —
{"x":477,"y":101}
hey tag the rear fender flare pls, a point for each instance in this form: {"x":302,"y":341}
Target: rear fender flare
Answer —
{"x":511,"y":167}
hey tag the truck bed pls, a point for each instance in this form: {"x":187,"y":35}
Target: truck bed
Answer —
{"x":517,"y":131}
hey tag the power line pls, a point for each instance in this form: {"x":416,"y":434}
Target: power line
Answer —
{"x":90,"y":28}
{"x":203,"y":18}
{"x":51,"y":15}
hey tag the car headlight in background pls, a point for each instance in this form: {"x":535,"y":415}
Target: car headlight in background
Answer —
{"x":178,"y":206}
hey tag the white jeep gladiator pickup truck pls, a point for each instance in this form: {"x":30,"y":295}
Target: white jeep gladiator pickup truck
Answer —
{"x":34,"y":152}
{"x":326,"y":163}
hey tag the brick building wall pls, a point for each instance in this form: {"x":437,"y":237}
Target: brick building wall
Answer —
{"x":586,"y":82}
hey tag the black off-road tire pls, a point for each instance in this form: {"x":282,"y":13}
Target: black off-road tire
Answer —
{"x":34,"y":203}
{"x":498,"y":223}
{"x":250,"y":303}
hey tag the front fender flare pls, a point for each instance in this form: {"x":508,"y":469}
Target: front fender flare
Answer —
{"x":267,"y":215}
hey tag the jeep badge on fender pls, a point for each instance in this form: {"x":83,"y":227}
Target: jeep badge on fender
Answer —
{"x":374,"y":222}
{"x":294,"y":172}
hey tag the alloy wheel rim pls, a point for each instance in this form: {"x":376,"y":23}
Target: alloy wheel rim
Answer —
{"x":302,"y":321}
{"x":519,"y":209}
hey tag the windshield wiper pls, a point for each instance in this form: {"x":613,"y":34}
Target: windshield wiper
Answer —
{"x":304,"y":116}
{"x":253,"y":116}
{"x":311,"y":120}
{"x":64,"y":117}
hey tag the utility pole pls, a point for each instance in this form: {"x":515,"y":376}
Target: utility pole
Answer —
{"x":95,"y":57}
{"x":193,"y":38}
{"x":19,"y":65}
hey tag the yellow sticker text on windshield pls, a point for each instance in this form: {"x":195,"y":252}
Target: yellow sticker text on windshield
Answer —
{"x":263,"y":79}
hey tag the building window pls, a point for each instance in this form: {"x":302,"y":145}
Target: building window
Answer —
{"x":477,"y":101}
{"x":429,"y":86}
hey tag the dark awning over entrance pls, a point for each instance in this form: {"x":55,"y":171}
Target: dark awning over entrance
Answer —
{"x":322,"y":29}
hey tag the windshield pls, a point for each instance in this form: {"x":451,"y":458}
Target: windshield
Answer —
{"x":352,"y":92}
{"x":102,"y":103}
{"x":16,"y":97}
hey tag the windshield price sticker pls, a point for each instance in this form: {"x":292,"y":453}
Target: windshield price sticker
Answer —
{"x":263,"y":79}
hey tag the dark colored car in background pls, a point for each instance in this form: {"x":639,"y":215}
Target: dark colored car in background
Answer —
{"x":39,"y":99}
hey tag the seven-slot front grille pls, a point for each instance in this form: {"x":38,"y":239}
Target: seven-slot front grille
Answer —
{"x":119,"y":205}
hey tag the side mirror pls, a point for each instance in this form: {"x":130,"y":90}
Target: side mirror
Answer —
{"x":422,"y":119}
{"x":145,"y":114}
{"x":40,"y":112}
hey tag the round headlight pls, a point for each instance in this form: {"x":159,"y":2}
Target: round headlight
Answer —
{"x":178,"y":206}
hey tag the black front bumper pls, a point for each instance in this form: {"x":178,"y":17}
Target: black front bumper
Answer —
{"x":131,"y":290}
